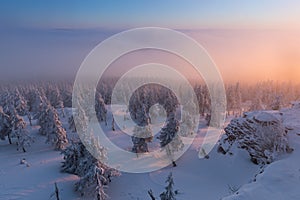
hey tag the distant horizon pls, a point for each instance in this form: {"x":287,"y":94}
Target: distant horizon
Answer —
{"x":249,"y":41}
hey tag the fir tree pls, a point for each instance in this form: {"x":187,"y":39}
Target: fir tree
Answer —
{"x":71,"y":122}
{"x":19,"y":131}
{"x":5,"y":127}
{"x":100,"y":108}
{"x":142,"y":132}
{"x":52,"y":128}
{"x":93,"y":173}
{"x":168,"y":194}
{"x":169,"y":138}
{"x":20,"y":103}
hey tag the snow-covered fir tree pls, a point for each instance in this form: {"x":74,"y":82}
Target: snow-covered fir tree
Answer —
{"x":7,"y":102}
{"x":11,"y":112}
{"x":42,"y":117}
{"x":71,"y":123}
{"x":14,"y":126}
{"x":188,"y":119}
{"x":141,"y":136}
{"x":188,"y":125}
{"x":35,"y":100}
{"x":72,"y":157}
{"x":19,"y":131}
{"x":256,"y":103}
{"x":94,"y":174}
{"x":55,"y":98}
{"x":20,"y":103}
{"x":169,"y":193}
{"x":52,"y":128}
{"x":5,"y":128}
{"x":100,"y":108}
{"x":234,"y":99}
{"x":238,"y":101}
{"x":169,"y":137}
{"x":91,"y":184}
{"x":142,"y":132}
{"x":66,"y":95}
{"x":277,"y":102}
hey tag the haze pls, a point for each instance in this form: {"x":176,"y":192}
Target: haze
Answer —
{"x":249,"y":41}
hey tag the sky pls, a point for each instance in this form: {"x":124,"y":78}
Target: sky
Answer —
{"x":248,"y":40}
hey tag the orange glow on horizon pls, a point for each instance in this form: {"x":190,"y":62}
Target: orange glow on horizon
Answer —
{"x":241,"y":56}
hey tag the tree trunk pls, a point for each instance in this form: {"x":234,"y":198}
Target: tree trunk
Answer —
{"x":174,"y":164}
{"x":56,"y":191}
{"x":150,"y":192}
{"x":9,"y":138}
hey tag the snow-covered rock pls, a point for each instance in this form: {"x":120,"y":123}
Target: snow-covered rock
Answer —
{"x":279,"y":180}
{"x":262,"y":134}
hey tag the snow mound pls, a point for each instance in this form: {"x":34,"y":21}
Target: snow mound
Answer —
{"x":262,"y":134}
{"x":281,"y":179}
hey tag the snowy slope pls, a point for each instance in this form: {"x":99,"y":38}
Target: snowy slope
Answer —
{"x":281,"y":179}
{"x":36,"y":182}
{"x":208,"y":178}
{"x":215,"y":178}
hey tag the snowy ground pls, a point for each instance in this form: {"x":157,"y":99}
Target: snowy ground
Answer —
{"x":36,"y":181}
{"x":281,"y":179}
{"x":213,"y":178}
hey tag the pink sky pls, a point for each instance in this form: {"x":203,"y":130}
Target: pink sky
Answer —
{"x":241,"y":55}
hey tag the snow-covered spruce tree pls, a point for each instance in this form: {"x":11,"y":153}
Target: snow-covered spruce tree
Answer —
{"x":94,"y":175}
{"x":55,"y":99}
{"x":81,"y":124}
{"x":91,"y":184}
{"x":142,"y":132}
{"x":19,"y":131}
{"x":72,"y":155}
{"x":7,"y":103}
{"x":169,"y":138}
{"x":203,"y":97}
{"x":188,"y":122}
{"x":168,"y":194}
{"x":277,"y":102}
{"x":231,"y":100}
{"x":52,"y":128}
{"x":256,"y":103}
{"x":71,"y":123}
{"x":14,"y":126}
{"x":188,"y":125}
{"x":35,"y":100}
{"x":10,"y":111}
{"x":53,"y":95}
{"x":260,"y":133}
{"x":5,"y":128}
{"x":238,"y":96}
{"x":78,"y":158}
{"x":66,"y":94}
{"x":5,"y":97}
{"x":20,"y":103}
{"x":100,"y":108}
{"x":234,"y":99}
{"x":169,"y":101}
{"x":217,"y":104}
{"x":42,"y":117}
{"x":141,"y":135}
